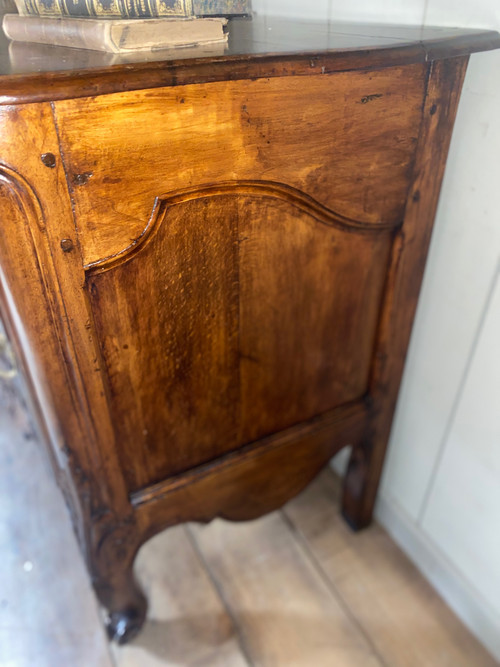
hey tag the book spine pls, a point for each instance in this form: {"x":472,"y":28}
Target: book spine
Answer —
{"x":222,"y":7}
{"x":126,"y":9}
{"x":133,"y":8}
{"x":57,"y":32}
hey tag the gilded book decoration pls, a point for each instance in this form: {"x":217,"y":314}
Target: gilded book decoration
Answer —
{"x":106,"y":8}
{"x":221,"y":7}
{"x":133,"y":8}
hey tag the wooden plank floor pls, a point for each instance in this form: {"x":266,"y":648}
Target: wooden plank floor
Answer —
{"x":294,"y":589}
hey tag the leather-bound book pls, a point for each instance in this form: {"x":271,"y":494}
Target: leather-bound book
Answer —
{"x":114,"y":35}
{"x":134,"y":8}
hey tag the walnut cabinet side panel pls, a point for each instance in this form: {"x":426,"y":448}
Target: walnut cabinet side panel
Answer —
{"x":67,"y":281}
{"x":246,"y":309}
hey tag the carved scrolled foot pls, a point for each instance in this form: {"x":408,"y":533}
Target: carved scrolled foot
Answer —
{"x":112,"y":568}
{"x":125,"y":604}
{"x":124,"y":625}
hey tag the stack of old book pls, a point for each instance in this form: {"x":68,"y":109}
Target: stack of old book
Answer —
{"x":123,"y":26}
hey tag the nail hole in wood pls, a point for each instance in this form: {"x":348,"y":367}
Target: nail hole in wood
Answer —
{"x":67,"y":245}
{"x":49,"y":160}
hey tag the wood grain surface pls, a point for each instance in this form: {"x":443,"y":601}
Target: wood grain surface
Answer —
{"x":403,"y":284}
{"x":262,"y":48}
{"x":227,"y":309}
{"x":324,"y":136}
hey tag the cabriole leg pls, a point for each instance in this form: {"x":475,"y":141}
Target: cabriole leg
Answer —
{"x":125,"y":604}
{"x":112,"y":568}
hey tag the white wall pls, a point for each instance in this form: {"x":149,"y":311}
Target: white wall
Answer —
{"x":440,"y":496}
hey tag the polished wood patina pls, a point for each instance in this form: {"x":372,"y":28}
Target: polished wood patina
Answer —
{"x":210,"y":265}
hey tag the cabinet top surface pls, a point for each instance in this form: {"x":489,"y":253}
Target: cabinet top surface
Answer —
{"x":257,"y":47}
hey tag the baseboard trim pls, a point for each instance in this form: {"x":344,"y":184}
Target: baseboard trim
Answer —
{"x":458,"y":593}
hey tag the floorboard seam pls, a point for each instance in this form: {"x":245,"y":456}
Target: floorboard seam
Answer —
{"x":236,"y":626}
{"x":309,"y":554}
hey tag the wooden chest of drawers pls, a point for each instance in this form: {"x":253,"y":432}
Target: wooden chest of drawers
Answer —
{"x":210,"y":267}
